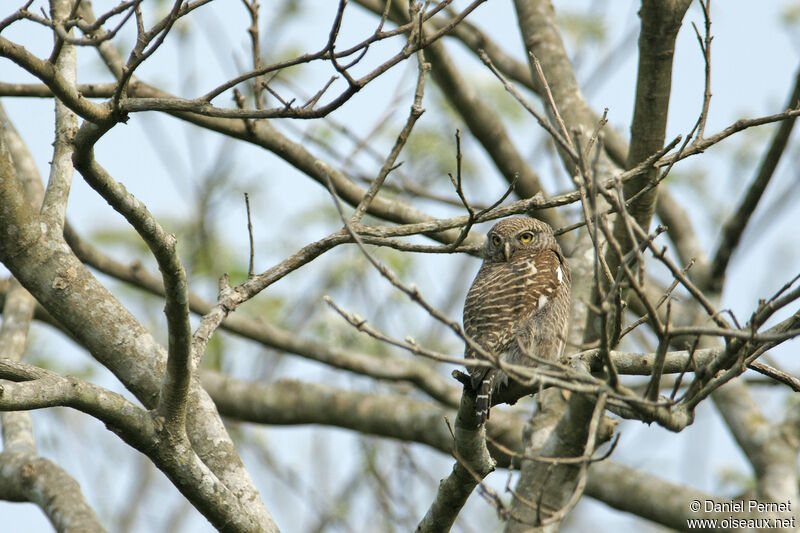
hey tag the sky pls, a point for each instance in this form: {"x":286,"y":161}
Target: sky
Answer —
{"x":754,"y":59}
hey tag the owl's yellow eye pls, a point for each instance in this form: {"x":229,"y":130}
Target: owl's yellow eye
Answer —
{"x":526,"y":237}
{"x":496,"y":240}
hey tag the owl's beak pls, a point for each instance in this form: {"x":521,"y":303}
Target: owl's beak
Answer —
{"x":507,"y":251}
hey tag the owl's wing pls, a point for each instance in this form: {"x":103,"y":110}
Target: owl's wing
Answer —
{"x":487,"y":313}
{"x":541,"y":325}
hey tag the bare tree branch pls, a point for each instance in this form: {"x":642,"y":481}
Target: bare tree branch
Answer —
{"x":659,"y":29}
{"x":174,"y":391}
{"x":54,"y":205}
{"x":85,"y":308}
{"x":35,"y":479}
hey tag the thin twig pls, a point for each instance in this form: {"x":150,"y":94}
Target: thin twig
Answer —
{"x":415,"y":112}
{"x":705,"y":47}
{"x":651,"y":393}
{"x":250,"y":269}
{"x":553,"y":107}
{"x":561,"y":138}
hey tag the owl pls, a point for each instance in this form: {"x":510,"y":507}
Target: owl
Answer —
{"x":518,"y":304}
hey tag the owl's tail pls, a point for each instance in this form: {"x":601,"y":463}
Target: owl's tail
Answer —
{"x":484,"y":398}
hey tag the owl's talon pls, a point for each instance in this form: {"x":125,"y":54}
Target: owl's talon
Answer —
{"x":463,"y":378}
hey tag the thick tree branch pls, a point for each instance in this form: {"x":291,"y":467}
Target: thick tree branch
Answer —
{"x":175,"y":388}
{"x":27,"y":478}
{"x":473,"y":464}
{"x":36,"y":388}
{"x":138,"y":428}
{"x":661,"y":21}
{"x":289,"y":402}
{"x":63,"y":285}
{"x":771,"y":448}
{"x":647,"y":496}
{"x":18,"y":309}
{"x":54,"y":205}
{"x":546,"y":490}
{"x":55,"y":81}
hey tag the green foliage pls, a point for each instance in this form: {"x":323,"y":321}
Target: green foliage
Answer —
{"x":734,"y":481}
{"x":583,"y":28}
{"x":506,"y":105}
{"x":429,"y":154}
{"x":790,"y":15}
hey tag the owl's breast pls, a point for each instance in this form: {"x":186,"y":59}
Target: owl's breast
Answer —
{"x":497,"y":299}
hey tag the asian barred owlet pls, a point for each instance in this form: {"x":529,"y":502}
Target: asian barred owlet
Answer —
{"x":518,"y":304}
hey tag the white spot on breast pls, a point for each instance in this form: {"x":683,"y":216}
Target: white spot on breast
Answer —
{"x":542,"y":301}
{"x":560,"y":275}
{"x":534,"y":271}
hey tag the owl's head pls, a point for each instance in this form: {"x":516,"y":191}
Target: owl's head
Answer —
{"x":511,"y":235}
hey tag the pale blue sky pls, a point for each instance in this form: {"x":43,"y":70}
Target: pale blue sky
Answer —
{"x":754,"y":60}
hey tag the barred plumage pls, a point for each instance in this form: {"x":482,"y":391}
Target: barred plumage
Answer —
{"x":518,"y":304}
